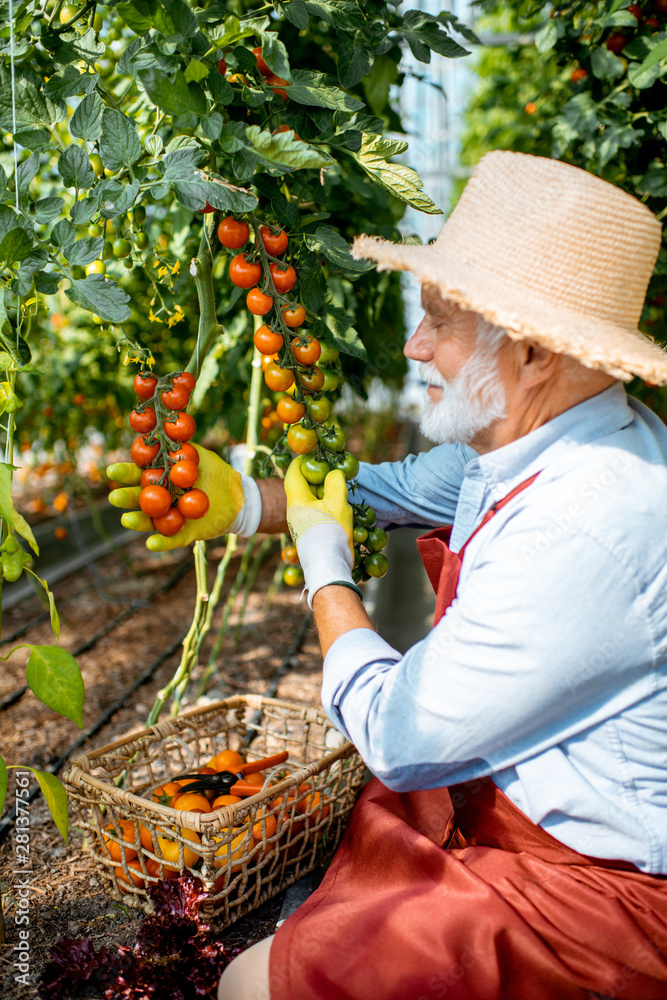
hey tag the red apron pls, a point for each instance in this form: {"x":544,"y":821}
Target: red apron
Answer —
{"x":454,"y":892}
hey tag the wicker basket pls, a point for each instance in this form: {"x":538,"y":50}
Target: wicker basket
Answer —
{"x":237,"y":870}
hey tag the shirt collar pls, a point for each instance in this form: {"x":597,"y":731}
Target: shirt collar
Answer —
{"x":594,"y":418}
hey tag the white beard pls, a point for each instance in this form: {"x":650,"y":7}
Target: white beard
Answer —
{"x":470,"y":402}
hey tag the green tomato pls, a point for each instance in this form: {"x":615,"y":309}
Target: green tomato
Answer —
{"x":358,"y":574}
{"x":282,"y":460}
{"x":67,"y":13}
{"x":329,"y":354}
{"x":359,"y":535}
{"x":315,"y":470}
{"x":377,"y":539}
{"x":376,"y":564}
{"x":349,"y":465}
{"x":122,"y":248}
{"x":139,"y":215}
{"x":107,"y":250}
{"x":96,"y":163}
{"x":331,"y":380}
{"x":142,"y":241}
{"x":77,"y":272}
{"x":293,"y":576}
{"x":358,"y":558}
{"x":331,"y":438}
{"x":96,"y":267}
{"x":95,"y":230}
{"x":318,"y":409}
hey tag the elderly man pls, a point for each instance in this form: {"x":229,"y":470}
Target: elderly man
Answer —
{"x":513,"y":843}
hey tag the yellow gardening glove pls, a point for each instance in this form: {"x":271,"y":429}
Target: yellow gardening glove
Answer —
{"x":234,"y":502}
{"x":321,"y":529}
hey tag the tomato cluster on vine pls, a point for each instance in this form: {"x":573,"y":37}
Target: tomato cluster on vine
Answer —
{"x":170,"y":464}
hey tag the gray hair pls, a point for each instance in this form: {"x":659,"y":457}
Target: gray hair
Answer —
{"x":489,"y":336}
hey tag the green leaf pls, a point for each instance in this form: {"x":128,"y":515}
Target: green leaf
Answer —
{"x":618,"y":19}
{"x":654,"y":180}
{"x":47,"y":282}
{"x":423,"y":34}
{"x":546,"y":36}
{"x":275,"y":55}
{"x":174,"y":94}
{"x":84,"y":209}
{"x":327,"y":241}
{"x":195,"y":71}
{"x":22,"y":527}
{"x":401,"y":181}
{"x":63,"y":233}
{"x":75,"y":169}
{"x":120,"y":145}
{"x":15,"y":246}
{"x":642,"y":78}
{"x":65,"y":84}
{"x":283,"y":150}
{"x":295,"y":12}
{"x":378,"y":82}
{"x":48,"y":209}
{"x":340,"y":13}
{"x":101,"y":296}
{"x":36,"y":139}
{"x":116,"y":197}
{"x":657,"y":55}
{"x":312,"y":284}
{"x":26,"y":171}
{"x":7,"y":510}
{"x":3,"y":783}
{"x":86,"y":121}
{"x":86,"y":250}
{"x":310,"y":89}
{"x":53,"y":675}
{"x":137,"y":16}
{"x":87,"y":46}
{"x":337,"y":327}
{"x":31,"y":108}
{"x":605,"y":65}
{"x":56,"y":799}
{"x":354,"y":62}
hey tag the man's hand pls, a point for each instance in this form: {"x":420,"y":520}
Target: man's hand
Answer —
{"x":321,"y":529}
{"x":221,"y":483}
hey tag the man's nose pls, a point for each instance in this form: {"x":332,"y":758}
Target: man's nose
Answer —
{"x":420,"y":345}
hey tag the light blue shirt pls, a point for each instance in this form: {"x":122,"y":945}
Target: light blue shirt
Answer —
{"x":549,"y":670}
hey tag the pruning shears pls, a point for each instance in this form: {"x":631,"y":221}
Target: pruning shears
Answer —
{"x":232,"y":782}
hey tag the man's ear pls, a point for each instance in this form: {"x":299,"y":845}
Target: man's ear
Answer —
{"x":536,"y":363}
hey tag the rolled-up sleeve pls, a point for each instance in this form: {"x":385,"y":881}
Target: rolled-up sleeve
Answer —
{"x":525,"y":658}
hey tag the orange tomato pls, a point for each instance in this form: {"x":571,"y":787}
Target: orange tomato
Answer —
{"x":225,"y":800}
{"x":257,"y":778}
{"x":278,"y":379}
{"x":136,"y":872}
{"x":145,"y":837}
{"x":191,"y":802}
{"x":165,"y":793}
{"x":231,"y":852}
{"x":114,"y":849}
{"x":268,"y":822}
{"x":227,"y":760}
{"x":170,"y":845}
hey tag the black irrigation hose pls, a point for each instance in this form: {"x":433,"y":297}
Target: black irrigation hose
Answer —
{"x":8,"y":821}
{"x":89,"y":644}
{"x":287,"y":663}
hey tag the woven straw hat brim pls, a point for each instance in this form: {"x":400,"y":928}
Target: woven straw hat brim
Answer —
{"x":523,"y":313}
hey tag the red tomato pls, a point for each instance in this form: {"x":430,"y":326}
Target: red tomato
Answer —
{"x":278,"y":379}
{"x":187,"y":379}
{"x":222,"y":66}
{"x":276,"y":83}
{"x":261,"y":64}
{"x":193,"y":504}
{"x":206,"y":210}
{"x":232,"y":233}
{"x":636,"y":11}
{"x":268,"y":341}
{"x":244,"y":273}
{"x":306,"y":353}
{"x":294,"y":315}
{"x":176,"y":398}
{"x":258,"y":303}
{"x":144,"y":385}
{"x":311,"y":379}
{"x":142,"y":454}
{"x":155,"y":501}
{"x":153,"y":477}
{"x":283,"y":279}
{"x":181,"y":428}
{"x":578,"y":74}
{"x":171,"y":523}
{"x":185,"y":453}
{"x":616,"y":42}
{"x":290,"y":410}
{"x":143,"y":421}
{"x":274,"y":243}
{"x":184,"y":474}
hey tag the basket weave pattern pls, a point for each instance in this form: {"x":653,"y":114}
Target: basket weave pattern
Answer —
{"x":238,"y":871}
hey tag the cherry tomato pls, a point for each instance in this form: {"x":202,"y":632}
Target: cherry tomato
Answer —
{"x":294,"y":316}
{"x":231,"y":851}
{"x":290,"y":410}
{"x":180,"y":428}
{"x":153,"y":477}
{"x":142,"y":454}
{"x":191,"y":802}
{"x":193,"y":504}
{"x":274,"y":243}
{"x":268,"y":341}
{"x":184,"y":474}
{"x":318,"y":409}
{"x":258,"y":303}
{"x":142,"y":241}
{"x":187,"y":379}
{"x":661,"y":6}
{"x":616,"y":42}
{"x":143,"y":421}
{"x":290,"y":555}
{"x":276,"y":83}
{"x":225,"y":800}
{"x":365,"y":516}
{"x":282,"y":460}
{"x":171,"y":523}
{"x":332,"y":438}
{"x":261,"y":64}
{"x":311,"y":379}
{"x":652,"y":22}
{"x":315,"y":470}
{"x":293,"y":576}
{"x":376,"y":564}
{"x":176,"y":398}
{"x":278,"y":379}
{"x":578,"y":74}
{"x":155,"y":501}
{"x":244,"y":273}
{"x":328,"y":354}
{"x":222,"y":66}
{"x":301,"y":439}
{"x":267,"y":823}
{"x":283,"y":278}
{"x":185,"y":453}
{"x":136,"y":872}
{"x":165,"y":793}
{"x":144,"y":385}
{"x":359,"y":535}
{"x":377,"y":539}
{"x":349,"y":465}
{"x":331,"y":380}
{"x":96,"y":267}
{"x":170,"y":847}
{"x":636,"y":11}
{"x":227,"y":760}
{"x":207,"y":209}
{"x":306,"y":353}
{"x":266,"y":361}
{"x":232,"y":233}
{"x":123,"y":828}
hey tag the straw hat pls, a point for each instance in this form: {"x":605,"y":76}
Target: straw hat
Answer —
{"x":549,"y":252}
